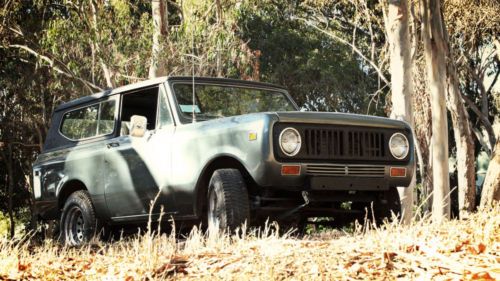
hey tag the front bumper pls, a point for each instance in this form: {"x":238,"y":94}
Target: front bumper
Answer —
{"x":325,"y":176}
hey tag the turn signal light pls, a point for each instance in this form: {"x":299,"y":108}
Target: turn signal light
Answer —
{"x":398,"y":172}
{"x":290,"y":170}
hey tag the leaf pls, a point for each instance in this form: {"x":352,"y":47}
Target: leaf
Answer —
{"x":482,"y":276}
{"x":175,"y":265}
{"x":459,"y":247}
{"x":412,"y":248}
{"x":477,"y":249}
{"x":22,"y":267}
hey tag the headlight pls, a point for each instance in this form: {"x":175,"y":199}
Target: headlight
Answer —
{"x":399,"y":146}
{"x":290,"y":141}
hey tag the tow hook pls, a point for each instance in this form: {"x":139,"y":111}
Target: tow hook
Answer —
{"x":305,"y":195}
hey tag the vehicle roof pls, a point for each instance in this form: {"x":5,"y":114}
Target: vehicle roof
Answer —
{"x":155,"y":81}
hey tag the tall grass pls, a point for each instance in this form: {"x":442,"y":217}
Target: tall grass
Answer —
{"x":457,"y":249}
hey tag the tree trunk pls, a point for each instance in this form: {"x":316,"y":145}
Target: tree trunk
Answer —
{"x":160,"y":28}
{"x":108,"y":75}
{"x":465,"y":145}
{"x":10,"y":187}
{"x":396,"y":25}
{"x":491,"y":186}
{"x":466,"y":172}
{"x":434,"y":48}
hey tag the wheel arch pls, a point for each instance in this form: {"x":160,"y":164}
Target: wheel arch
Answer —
{"x":219,"y":162}
{"x":67,"y":189}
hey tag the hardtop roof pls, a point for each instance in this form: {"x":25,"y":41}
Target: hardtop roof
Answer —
{"x":159,"y":80}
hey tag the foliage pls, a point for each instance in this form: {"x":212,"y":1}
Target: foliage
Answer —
{"x":320,"y":73}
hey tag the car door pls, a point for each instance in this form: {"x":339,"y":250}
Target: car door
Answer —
{"x":137,"y":168}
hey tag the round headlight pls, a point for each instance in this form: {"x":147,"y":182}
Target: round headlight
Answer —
{"x":290,"y":141}
{"x":399,"y":146}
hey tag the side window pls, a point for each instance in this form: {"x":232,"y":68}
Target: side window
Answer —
{"x":165,"y":116}
{"x":80,"y":123}
{"x":106,"y":118}
{"x":144,"y":103}
{"x":90,"y":121}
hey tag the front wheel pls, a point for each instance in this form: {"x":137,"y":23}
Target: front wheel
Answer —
{"x":228,"y":204}
{"x":78,"y":219}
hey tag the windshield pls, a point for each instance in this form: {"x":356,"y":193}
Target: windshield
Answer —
{"x":215,"y":101}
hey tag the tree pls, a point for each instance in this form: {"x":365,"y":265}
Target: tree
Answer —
{"x":491,"y":186}
{"x":463,"y":139}
{"x":435,"y":51}
{"x":160,"y":28}
{"x":317,"y":55}
{"x":396,"y":23}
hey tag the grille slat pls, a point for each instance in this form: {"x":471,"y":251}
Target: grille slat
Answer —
{"x":345,"y":170}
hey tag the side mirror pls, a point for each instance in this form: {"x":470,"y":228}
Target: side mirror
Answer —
{"x":138,"y":126}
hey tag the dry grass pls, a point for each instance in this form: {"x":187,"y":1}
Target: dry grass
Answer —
{"x":465,"y":249}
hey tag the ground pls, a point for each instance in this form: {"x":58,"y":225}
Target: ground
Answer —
{"x":456,"y":250}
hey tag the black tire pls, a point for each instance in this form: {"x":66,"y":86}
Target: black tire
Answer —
{"x":228,"y":205}
{"x":78,"y":220}
{"x":387,"y":206}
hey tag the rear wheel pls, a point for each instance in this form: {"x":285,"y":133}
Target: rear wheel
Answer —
{"x":78,"y":219}
{"x":228,"y":204}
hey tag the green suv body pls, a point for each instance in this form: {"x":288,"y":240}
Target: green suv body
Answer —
{"x":227,"y":152}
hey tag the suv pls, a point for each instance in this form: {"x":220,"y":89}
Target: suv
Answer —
{"x":216,"y":151}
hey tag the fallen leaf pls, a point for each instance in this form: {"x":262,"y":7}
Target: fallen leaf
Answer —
{"x":22,"y":267}
{"x":175,"y":265}
{"x":476,"y":249}
{"x":482,"y":276}
{"x":389,"y":255}
{"x":412,"y":248}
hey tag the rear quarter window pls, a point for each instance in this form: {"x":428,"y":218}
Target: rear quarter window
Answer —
{"x":90,"y":121}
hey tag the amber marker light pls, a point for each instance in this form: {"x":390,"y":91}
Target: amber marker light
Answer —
{"x":290,"y":170}
{"x":398,"y":172}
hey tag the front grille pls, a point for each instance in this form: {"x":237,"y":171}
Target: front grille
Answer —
{"x":343,"y":143}
{"x":334,"y":143}
{"x":345,"y":170}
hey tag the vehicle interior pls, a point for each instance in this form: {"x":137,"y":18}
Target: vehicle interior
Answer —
{"x":144,"y":103}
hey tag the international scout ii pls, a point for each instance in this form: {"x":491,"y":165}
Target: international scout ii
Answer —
{"x":219,"y":152}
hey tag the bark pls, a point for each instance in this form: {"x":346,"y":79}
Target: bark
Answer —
{"x":465,"y":145}
{"x":466,"y":172}
{"x":401,"y":83}
{"x":435,"y":50}
{"x":484,"y":112}
{"x":491,"y":186}
{"x":160,"y":25}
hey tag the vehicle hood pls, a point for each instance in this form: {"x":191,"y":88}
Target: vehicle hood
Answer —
{"x":341,"y":119}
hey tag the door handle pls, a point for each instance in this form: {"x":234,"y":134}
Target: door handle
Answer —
{"x":112,"y":144}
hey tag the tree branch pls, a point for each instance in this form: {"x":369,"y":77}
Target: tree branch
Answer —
{"x":52,"y":64}
{"x":484,"y":119}
{"x":354,"y":48}
{"x":495,"y":78}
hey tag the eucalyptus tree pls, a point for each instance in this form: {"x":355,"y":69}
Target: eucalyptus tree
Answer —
{"x":435,"y":54}
{"x":397,"y":27}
